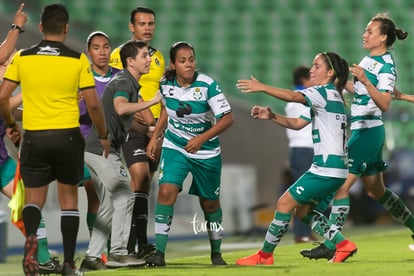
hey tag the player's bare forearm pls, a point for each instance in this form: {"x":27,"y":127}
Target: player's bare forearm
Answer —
{"x":406,"y":97}
{"x":288,"y":122}
{"x":222,"y":124}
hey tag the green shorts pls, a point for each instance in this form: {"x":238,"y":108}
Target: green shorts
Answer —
{"x":86,"y":174}
{"x":315,"y":189}
{"x":365,"y":151}
{"x":175,"y":166}
{"x":7,"y":172}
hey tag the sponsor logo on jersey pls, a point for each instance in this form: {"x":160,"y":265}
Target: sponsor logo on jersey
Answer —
{"x":183,"y":109}
{"x":171,"y":91}
{"x":372,"y":66}
{"x":48,"y":51}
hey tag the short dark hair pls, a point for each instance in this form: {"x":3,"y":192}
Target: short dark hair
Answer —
{"x":299,"y":74}
{"x":140,"y":9}
{"x":54,"y":18}
{"x":96,"y":33}
{"x":130,"y":49}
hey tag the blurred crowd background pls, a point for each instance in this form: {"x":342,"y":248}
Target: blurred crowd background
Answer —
{"x":268,"y":39}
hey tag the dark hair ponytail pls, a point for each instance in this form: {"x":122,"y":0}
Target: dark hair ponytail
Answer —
{"x":401,"y":34}
{"x":169,"y":74}
{"x":340,"y":68}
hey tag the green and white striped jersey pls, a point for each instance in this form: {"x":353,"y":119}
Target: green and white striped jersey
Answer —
{"x":328,"y":130}
{"x":381,"y":72}
{"x":191,"y":111}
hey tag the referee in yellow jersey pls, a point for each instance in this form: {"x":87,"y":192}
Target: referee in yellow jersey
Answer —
{"x":50,"y":75}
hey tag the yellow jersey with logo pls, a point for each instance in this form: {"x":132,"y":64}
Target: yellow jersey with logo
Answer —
{"x":150,"y":83}
{"x":50,"y":75}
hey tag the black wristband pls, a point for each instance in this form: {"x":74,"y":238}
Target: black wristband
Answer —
{"x":106,"y":137}
{"x":15,"y":27}
{"x":12,"y":125}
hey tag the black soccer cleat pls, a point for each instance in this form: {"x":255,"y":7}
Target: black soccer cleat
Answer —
{"x":216,"y":259}
{"x":145,"y":250}
{"x":50,"y":267}
{"x":319,"y":252}
{"x":155,"y":259}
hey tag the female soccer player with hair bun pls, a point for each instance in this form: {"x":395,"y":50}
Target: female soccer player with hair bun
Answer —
{"x":309,"y":196}
{"x":373,"y":86}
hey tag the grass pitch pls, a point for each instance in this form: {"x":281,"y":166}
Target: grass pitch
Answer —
{"x":381,"y":251}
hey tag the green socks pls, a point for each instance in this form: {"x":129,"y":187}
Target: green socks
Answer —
{"x":277,"y":229}
{"x":215,"y":229}
{"x":397,"y":208}
{"x":90,"y":222}
{"x":43,"y":250}
{"x":163,"y":220}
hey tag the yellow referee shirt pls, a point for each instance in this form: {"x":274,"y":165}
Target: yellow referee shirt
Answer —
{"x":50,"y":75}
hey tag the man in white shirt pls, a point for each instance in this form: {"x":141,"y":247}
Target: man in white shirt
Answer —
{"x":300,"y":146}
